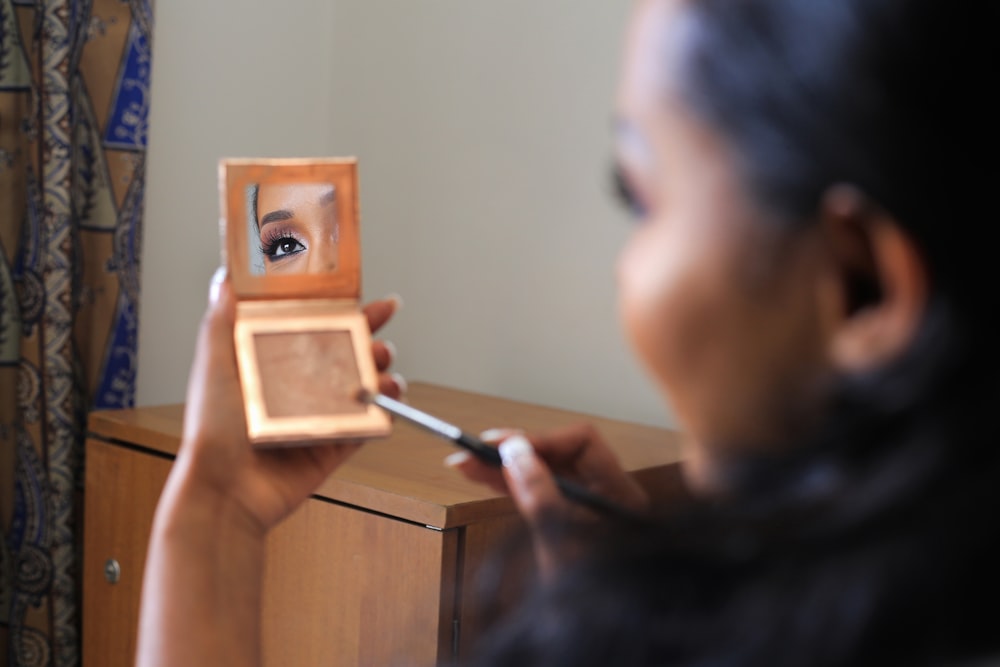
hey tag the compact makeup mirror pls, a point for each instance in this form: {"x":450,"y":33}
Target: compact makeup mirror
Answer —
{"x":291,"y":245}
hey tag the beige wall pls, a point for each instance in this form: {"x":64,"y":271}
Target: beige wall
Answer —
{"x":483,"y":133}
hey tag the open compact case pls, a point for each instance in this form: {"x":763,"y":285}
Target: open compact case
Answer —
{"x":303,"y":346}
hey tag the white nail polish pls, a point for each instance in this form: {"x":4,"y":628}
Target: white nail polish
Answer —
{"x":456,"y":459}
{"x":498,"y":434}
{"x":391,"y":348}
{"x":218,"y":278}
{"x":515,"y":451}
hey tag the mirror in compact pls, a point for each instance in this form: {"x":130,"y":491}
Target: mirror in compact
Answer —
{"x":303,"y":347}
{"x":293,"y":228}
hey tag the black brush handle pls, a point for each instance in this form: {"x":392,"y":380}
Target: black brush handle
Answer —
{"x":485,"y":453}
{"x":569,"y":489}
{"x":490,"y":455}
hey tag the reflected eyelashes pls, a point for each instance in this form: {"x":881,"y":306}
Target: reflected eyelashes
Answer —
{"x":278,"y":244}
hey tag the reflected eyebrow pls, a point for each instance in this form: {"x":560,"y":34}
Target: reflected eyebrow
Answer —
{"x":276,"y":216}
{"x":327,"y":197}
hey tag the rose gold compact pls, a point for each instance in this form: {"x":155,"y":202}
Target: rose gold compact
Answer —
{"x":303,"y":346}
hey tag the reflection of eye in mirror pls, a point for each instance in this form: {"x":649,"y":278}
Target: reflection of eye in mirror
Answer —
{"x":323,"y":361}
{"x":292,"y":228}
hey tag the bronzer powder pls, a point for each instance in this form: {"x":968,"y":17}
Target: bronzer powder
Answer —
{"x":322,"y":360}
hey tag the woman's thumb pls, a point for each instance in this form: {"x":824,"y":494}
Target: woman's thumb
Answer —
{"x":528,"y":478}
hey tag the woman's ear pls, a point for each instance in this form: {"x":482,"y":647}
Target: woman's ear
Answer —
{"x":879,"y":282}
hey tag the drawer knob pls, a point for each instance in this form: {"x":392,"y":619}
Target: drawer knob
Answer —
{"x":112,"y":571}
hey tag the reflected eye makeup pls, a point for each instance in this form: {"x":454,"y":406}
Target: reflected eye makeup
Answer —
{"x":278,"y":243}
{"x":626,"y":194}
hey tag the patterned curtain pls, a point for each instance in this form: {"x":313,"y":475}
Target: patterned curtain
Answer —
{"x":74,"y":97}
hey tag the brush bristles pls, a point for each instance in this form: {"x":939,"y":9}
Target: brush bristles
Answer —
{"x":364,"y":396}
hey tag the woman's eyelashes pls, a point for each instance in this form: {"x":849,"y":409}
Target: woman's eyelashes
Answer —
{"x":280,"y":244}
{"x":626,"y":195}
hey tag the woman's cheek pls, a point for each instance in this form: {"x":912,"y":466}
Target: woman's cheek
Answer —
{"x":647,"y":276}
{"x":669,"y":303}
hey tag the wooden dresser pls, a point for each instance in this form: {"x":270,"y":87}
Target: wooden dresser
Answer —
{"x":375,"y":569}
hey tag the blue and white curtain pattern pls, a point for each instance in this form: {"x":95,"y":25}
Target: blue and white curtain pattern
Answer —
{"x":74,"y":100}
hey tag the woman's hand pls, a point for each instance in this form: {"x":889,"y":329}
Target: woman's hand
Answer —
{"x":578,"y":453}
{"x":217,"y":462}
{"x":202,"y":586}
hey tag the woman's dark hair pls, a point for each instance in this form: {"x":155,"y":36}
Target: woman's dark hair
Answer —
{"x":874,"y":543}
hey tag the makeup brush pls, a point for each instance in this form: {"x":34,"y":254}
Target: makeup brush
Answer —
{"x":489,"y":454}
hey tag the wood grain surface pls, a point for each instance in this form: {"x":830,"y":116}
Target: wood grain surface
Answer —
{"x":378,"y":568}
{"x":403,"y":475}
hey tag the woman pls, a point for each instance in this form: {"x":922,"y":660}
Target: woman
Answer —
{"x":805,"y":286}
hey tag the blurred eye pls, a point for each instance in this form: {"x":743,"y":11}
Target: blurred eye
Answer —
{"x":626,"y":195}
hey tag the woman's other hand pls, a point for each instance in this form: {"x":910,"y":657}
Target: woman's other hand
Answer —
{"x":578,"y":453}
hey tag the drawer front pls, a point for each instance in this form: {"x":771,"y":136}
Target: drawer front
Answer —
{"x":120,"y":494}
{"x":342,"y":586}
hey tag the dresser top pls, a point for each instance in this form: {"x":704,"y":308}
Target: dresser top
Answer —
{"x":403,"y":475}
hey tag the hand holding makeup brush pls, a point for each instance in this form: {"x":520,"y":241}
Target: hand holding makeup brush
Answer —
{"x":530,"y":465}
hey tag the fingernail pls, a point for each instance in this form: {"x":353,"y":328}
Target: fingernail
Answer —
{"x":498,"y":434}
{"x":215,"y":286}
{"x":456,"y":459}
{"x":400,"y":382}
{"x":391,"y":348}
{"x":398,"y":299}
{"x":516,"y":452}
